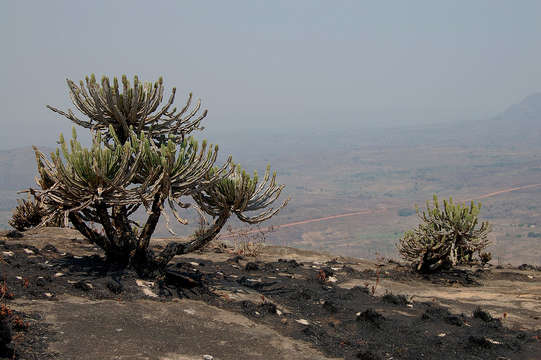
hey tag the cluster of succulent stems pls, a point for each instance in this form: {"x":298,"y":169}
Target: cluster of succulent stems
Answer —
{"x":447,"y":235}
{"x":142,"y":154}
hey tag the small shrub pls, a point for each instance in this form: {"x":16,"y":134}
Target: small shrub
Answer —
{"x":406,"y":212}
{"x":485,"y":257}
{"x":479,"y":313}
{"x":28,"y":214}
{"x":447,"y":235}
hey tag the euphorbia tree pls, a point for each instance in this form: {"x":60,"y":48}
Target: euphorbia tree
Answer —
{"x":141,"y":155}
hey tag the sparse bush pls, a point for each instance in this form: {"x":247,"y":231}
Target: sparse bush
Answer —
{"x":406,"y":212}
{"x":141,"y":155}
{"x":447,"y":236}
{"x":30,"y":213}
{"x":485,"y":257}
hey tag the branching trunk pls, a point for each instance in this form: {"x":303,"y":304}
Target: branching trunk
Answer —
{"x":198,"y":241}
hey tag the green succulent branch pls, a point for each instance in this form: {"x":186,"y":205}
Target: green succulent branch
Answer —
{"x":137,"y":105}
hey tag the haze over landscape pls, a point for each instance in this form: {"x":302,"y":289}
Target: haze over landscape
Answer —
{"x":357,"y":106}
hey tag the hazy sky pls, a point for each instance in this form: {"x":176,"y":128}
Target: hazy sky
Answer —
{"x":274,"y":64}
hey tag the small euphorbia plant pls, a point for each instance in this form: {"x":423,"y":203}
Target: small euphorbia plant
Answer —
{"x":141,"y":155}
{"x":447,"y":235}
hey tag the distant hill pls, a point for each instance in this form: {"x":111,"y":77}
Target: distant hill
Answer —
{"x":518,"y":125}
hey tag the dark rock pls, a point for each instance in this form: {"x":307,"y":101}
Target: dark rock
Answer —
{"x":367,"y":355}
{"x":50,"y":248}
{"x":40,"y":282}
{"x":115,"y":286}
{"x":251,"y":266}
{"x":82,"y":285}
{"x":372,"y":316}
{"x":235,"y":259}
{"x":395,"y":299}
{"x":479,"y":313}
{"x":14,"y":234}
{"x":330,"y":306}
{"x":183,"y":280}
{"x":268,"y":307}
{"x":527,"y":267}
{"x":479,"y":341}
{"x":5,"y":333}
{"x":454,"y":320}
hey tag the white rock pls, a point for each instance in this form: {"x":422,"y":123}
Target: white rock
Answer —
{"x":194,"y":263}
{"x":189,"y":311}
{"x":58,"y":274}
{"x":28,"y":251}
{"x":208,"y":357}
{"x":278,"y":312}
{"x":19,"y":277}
{"x":303,"y":322}
{"x":118,"y":330}
{"x":144,"y":283}
{"x":7,"y":253}
{"x":493,"y":341}
{"x":332,"y":279}
{"x":149,"y":292}
{"x":48,"y":294}
{"x":442,"y":334}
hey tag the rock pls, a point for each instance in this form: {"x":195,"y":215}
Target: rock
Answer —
{"x":82,"y":285}
{"x":395,"y":299}
{"x":14,"y":234}
{"x":330,"y":306}
{"x":50,"y":248}
{"x":303,"y":321}
{"x":367,"y":355}
{"x":479,"y":341}
{"x":115,"y":286}
{"x":5,"y":333}
{"x":251,"y":266}
{"x":372,"y":316}
{"x":208,"y":357}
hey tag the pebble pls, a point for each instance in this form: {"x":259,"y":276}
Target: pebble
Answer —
{"x":189,"y":311}
{"x":7,"y":253}
{"x":28,"y":251}
{"x":303,"y":322}
{"x":58,"y":274}
{"x":332,"y":279}
{"x":194,"y":263}
{"x":208,"y":357}
{"x":48,"y":294}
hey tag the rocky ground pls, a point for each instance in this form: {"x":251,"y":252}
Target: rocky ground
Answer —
{"x":61,"y":301}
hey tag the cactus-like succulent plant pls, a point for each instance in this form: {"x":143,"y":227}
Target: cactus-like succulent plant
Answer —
{"x":447,"y":235}
{"x":141,"y":155}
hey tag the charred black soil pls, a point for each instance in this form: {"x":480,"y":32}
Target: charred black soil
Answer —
{"x":302,"y":300}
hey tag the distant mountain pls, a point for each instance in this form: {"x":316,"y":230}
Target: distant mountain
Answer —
{"x":518,"y":125}
{"x":527,"y":113}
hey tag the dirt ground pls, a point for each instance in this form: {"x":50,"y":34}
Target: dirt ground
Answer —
{"x":286,"y":303}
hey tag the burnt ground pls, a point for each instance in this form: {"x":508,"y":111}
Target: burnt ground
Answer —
{"x":67,"y":303}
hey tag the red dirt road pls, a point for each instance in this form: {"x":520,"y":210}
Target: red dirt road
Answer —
{"x":369,"y":211}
